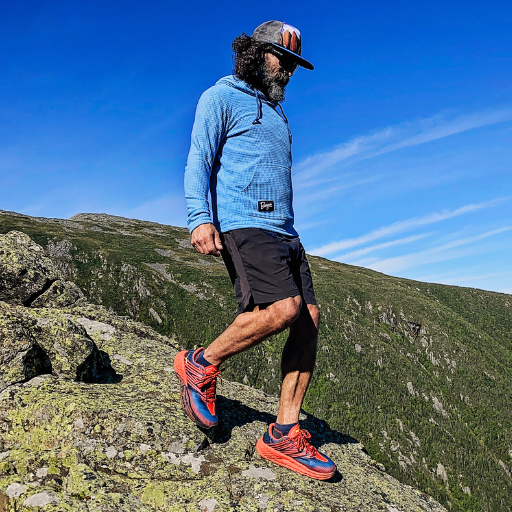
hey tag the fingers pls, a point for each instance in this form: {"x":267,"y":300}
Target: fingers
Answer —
{"x":208,"y":247}
{"x":201,"y":245}
{"x":206,"y":240}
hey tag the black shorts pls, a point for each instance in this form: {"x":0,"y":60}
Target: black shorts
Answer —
{"x":265,"y":267}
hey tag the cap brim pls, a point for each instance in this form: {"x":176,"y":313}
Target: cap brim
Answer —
{"x":296,"y":58}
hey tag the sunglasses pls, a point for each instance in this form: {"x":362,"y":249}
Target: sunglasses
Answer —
{"x":285,"y":62}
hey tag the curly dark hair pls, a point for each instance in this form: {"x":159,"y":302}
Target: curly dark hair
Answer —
{"x":248,"y":56}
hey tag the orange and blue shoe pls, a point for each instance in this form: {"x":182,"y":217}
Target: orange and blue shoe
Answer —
{"x":198,"y":384}
{"x":295,"y":452}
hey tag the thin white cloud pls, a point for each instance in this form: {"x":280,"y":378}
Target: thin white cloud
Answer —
{"x":440,"y":253}
{"x":310,"y":225}
{"x":445,"y":277}
{"x":315,"y":200}
{"x":468,"y":278}
{"x":485,"y":281}
{"x":304,"y":188}
{"x":397,"y":137}
{"x":346,"y":258}
{"x":404,"y":225}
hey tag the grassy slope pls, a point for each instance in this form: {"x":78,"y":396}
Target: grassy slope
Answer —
{"x":420,"y":373}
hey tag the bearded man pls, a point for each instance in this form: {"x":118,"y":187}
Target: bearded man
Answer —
{"x":241,"y":154}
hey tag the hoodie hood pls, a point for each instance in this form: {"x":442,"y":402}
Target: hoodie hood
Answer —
{"x":242,"y":85}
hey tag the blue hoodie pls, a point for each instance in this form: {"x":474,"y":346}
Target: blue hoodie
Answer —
{"x":241,"y":153}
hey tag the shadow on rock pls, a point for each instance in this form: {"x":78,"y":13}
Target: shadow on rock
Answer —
{"x":36,"y":362}
{"x":233,"y":413}
{"x":97,"y":369}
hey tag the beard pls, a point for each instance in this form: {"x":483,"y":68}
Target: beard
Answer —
{"x":273,"y":83}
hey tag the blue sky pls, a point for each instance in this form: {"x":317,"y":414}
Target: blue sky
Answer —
{"x":402,"y":134}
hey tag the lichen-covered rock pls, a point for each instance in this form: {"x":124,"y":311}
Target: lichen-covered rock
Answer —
{"x":37,"y":341}
{"x":61,"y":294}
{"x":24,"y":271}
{"x":21,"y":357}
{"x":59,"y":251}
{"x":73,"y":354}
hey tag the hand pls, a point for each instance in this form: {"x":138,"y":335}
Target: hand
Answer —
{"x":206,"y":240}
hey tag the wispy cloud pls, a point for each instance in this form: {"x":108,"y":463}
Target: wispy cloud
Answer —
{"x":404,"y":225}
{"x":346,"y":258}
{"x":472,"y":277}
{"x":484,"y":281}
{"x":310,"y":201}
{"x":397,"y":137}
{"x":440,"y":253}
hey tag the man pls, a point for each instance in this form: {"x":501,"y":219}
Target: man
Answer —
{"x":241,"y":154}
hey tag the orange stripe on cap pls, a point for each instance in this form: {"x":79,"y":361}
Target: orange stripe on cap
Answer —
{"x":294,"y":46}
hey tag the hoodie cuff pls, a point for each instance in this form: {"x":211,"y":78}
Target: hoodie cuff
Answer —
{"x":198,"y":222}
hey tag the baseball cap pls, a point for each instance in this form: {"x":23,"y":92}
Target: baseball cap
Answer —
{"x":284,"y":38}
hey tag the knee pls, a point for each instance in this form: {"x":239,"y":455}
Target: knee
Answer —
{"x":286,"y":312}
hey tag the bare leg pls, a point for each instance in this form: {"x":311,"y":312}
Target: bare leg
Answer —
{"x":251,"y":328}
{"x":298,"y":363}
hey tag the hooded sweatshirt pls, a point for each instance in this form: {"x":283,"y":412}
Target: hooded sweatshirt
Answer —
{"x":241,"y":153}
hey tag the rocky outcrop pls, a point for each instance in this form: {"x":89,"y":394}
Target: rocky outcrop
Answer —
{"x":39,"y":339}
{"x":29,"y":278}
{"x":21,"y":357}
{"x":90,"y":420}
{"x":24,"y":271}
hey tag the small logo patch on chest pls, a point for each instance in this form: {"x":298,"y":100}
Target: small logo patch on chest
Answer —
{"x":265,"y":206}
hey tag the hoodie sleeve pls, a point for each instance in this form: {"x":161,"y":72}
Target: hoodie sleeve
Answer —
{"x":207,"y":133}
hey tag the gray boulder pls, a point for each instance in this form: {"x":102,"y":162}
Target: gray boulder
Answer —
{"x":25,"y":272}
{"x":41,"y":341}
{"x":61,"y":294}
{"x":38,"y":341}
{"x":73,"y":354}
{"x":21,"y":358}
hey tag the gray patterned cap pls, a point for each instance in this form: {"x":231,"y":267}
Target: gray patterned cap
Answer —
{"x":283,"y":37}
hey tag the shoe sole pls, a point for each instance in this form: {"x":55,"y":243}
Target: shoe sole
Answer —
{"x":179,"y":370}
{"x":278,"y":458}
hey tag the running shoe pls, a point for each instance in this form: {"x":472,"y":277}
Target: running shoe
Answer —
{"x":295,"y":452}
{"x":198,"y":385}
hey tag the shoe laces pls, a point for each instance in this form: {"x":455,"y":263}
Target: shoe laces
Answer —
{"x":301,"y":441}
{"x":207,"y":385}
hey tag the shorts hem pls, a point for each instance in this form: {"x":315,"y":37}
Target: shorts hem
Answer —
{"x":276,"y":298}
{"x":254,"y":255}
